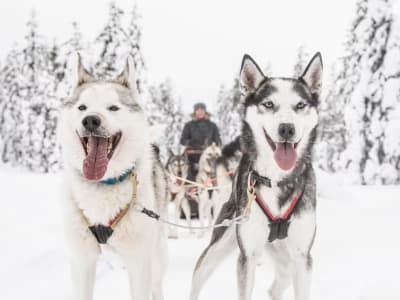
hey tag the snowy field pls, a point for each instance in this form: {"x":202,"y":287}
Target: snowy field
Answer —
{"x":356,"y":253}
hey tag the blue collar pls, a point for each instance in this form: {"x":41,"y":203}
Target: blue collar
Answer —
{"x":115,"y":180}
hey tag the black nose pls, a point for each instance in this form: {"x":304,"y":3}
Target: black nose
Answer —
{"x":286,"y":131}
{"x":91,"y":123}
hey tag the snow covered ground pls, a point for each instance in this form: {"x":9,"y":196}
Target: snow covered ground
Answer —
{"x":356,"y":253}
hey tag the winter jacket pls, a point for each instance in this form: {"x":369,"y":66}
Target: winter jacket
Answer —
{"x":200,"y":133}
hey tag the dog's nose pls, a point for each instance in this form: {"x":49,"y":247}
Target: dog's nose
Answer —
{"x":286,"y":131}
{"x":91,"y":123}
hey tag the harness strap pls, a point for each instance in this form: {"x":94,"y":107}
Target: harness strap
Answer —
{"x":287,"y":213}
{"x":101,"y":232}
{"x":279,"y":225}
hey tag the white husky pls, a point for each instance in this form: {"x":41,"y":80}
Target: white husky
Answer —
{"x":208,"y":197}
{"x":106,"y":146}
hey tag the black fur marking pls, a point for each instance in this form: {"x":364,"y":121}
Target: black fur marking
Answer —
{"x":230,"y":149}
{"x":227,"y":212}
{"x":301,"y":88}
{"x":265,"y":90}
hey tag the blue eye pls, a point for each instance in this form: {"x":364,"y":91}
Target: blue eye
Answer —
{"x":113,"y":108}
{"x":301,"y":105}
{"x":82,"y":107}
{"x":268,"y":104}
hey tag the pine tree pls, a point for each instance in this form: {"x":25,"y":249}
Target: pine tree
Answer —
{"x":11,"y":118}
{"x":301,"y":61}
{"x":110,"y":44}
{"x":332,"y":133}
{"x":164,"y":109}
{"x":228,"y":100}
{"x":133,"y":42}
{"x":361,"y":89}
{"x":66,"y":50}
{"x":35,"y":65}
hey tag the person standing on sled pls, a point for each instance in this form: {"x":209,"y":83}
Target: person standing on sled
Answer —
{"x":197,"y":134}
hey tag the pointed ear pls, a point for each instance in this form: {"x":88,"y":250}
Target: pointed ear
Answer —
{"x":128,"y":76}
{"x":312,"y":75}
{"x":250,"y":74}
{"x":80,"y":74}
{"x":170,"y":153}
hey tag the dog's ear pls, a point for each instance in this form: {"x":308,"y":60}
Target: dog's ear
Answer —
{"x":80,"y":74}
{"x":170,"y":152}
{"x":128,"y":76}
{"x":312,"y":75}
{"x":250,"y":74}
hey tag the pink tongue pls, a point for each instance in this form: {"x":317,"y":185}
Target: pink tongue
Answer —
{"x":95,"y":163}
{"x":285,"y":155}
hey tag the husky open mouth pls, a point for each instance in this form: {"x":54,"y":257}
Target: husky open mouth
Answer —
{"x":98,"y":151}
{"x":285,"y":153}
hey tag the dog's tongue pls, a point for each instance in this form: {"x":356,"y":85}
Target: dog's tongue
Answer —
{"x":285,"y":155}
{"x":95,"y":163}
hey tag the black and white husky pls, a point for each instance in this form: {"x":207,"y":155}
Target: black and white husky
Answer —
{"x":110,"y":167}
{"x":177,"y":170}
{"x":278,"y":133}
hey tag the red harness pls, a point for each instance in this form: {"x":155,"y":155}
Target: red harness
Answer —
{"x":279,"y":225}
{"x":264,"y":207}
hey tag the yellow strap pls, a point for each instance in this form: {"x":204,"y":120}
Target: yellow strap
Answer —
{"x":134,"y":182}
{"x":251,"y":196}
{"x":119,"y":217}
{"x":123,"y":212}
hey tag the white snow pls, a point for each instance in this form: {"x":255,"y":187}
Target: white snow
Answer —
{"x":356,"y":252}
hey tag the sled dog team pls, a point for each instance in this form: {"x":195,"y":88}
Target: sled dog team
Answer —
{"x":117,"y":191}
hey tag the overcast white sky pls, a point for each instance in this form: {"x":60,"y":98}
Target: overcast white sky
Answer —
{"x":199,"y":44}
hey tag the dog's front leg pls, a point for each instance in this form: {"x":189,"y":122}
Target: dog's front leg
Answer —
{"x":302,"y":276}
{"x":139,"y":271}
{"x":186,"y":210}
{"x":136,"y":250}
{"x":84,"y":252}
{"x":83,"y":267}
{"x":246,"y":267}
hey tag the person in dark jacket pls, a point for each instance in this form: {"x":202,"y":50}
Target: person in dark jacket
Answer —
{"x":197,"y":134}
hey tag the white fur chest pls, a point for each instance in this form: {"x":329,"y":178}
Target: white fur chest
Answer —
{"x":100,"y":203}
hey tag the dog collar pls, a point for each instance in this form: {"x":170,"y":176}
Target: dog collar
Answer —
{"x":115,"y":180}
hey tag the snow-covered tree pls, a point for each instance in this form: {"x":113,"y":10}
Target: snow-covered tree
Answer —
{"x":134,"y":44}
{"x":110,"y":45}
{"x":301,"y":61}
{"x":35,"y":81}
{"x":11,"y":109}
{"x":163,"y":108}
{"x":228,"y":100}
{"x":116,"y":41}
{"x":364,"y":101}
